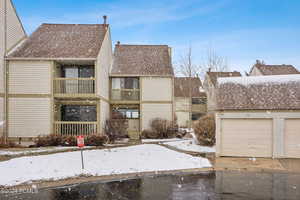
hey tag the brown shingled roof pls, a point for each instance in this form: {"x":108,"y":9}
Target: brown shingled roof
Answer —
{"x":281,"y":92}
{"x":181,"y":88}
{"x":215,"y":75}
{"x":142,"y":60}
{"x":63,"y":41}
{"x":276,"y":69}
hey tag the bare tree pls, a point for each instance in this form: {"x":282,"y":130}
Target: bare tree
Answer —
{"x":186,"y":66}
{"x":189,"y":69}
{"x":214,"y":62}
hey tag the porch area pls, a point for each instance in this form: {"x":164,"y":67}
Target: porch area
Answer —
{"x":76,"y":118}
{"x":132,"y":115}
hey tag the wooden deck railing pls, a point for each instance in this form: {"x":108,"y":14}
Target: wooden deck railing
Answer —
{"x":125,"y":94}
{"x":71,"y":86}
{"x":75,"y":128}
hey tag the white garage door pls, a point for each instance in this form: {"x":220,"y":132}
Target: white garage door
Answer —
{"x":292,"y":138}
{"x":246,"y":137}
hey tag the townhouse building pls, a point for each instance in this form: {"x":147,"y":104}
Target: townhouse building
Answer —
{"x":65,"y":79}
{"x":11,"y":33}
{"x":190,"y":100}
{"x":142,"y":84}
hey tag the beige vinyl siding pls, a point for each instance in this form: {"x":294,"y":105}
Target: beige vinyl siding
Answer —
{"x":2,"y":51}
{"x":292,"y":138}
{"x":151,"y":111}
{"x":246,"y":137}
{"x":182,"y":118}
{"x":29,"y":117}
{"x":182,"y":103}
{"x":29,"y":77}
{"x":133,"y":125}
{"x":15,"y":30}
{"x":1,"y":115}
{"x":2,"y":80}
{"x":104,"y":114}
{"x":103,"y":65}
{"x":211,"y":99}
{"x":255,"y":72}
{"x":156,"y":89}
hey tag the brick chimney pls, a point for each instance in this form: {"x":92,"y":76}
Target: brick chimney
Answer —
{"x":104,"y":19}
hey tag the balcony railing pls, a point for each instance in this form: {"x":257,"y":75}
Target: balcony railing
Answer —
{"x":74,"y":86}
{"x":75,"y":128}
{"x":199,"y":107}
{"x":125,"y":94}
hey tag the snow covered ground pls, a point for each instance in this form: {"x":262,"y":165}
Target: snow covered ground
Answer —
{"x":36,"y":150}
{"x":190,"y":145}
{"x":160,"y":140}
{"x":133,"y":159}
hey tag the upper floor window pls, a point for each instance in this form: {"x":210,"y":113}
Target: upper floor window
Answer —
{"x":125,"y":83}
{"x":78,"y":71}
{"x":199,"y":100}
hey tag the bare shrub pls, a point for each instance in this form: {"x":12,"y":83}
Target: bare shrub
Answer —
{"x":205,"y":129}
{"x":160,"y":128}
{"x":48,"y":140}
{"x":149,"y":134}
{"x":96,"y":140}
{"x":116,"y":127}
{"x":59,"y":140}
{"x":69,"y":141}
{"x":9,"y":144}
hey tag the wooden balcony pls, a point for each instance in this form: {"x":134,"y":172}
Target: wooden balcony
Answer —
{"x":199,"y":108}
{"x":125,"y":94}
{"x":75,"y":128}
{"x":74,"y":87}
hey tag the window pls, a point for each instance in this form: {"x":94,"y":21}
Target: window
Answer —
{"x":196,"y":116}
{"x":128,"y":112}
{"x":125,"y":83}
{"x":199,"y":100}
{"x":78,"y":113}
{"x":78,"y":71}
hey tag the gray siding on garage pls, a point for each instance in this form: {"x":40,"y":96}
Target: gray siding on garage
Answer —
{"x":258,"y":134}
{"x":247,"y":137}
{"x":292,"y":138}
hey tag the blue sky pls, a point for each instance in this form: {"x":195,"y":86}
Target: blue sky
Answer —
{"x":240,"y":30}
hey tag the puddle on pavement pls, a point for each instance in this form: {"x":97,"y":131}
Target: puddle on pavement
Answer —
{"x":206,"y":186}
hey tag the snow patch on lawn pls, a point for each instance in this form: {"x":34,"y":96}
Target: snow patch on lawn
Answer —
{"x":134,"y":159}
{"x":160,"y":140}
{"x":38,"y":150}
{"x":190,"y":145}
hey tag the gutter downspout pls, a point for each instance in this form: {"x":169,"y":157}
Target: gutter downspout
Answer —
{"x":5,"y":131}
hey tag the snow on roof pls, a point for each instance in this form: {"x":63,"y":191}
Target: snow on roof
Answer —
{"x":280,"y":92}
{"x":250,"y":80}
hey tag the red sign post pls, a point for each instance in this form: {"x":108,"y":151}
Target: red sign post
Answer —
{"x":80,"y":141}
{"x":80,"y":144}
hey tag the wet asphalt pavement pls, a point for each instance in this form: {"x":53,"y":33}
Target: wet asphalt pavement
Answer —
{"x":205,"y":186}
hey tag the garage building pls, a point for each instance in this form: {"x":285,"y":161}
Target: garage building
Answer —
{"x":258,"y":116}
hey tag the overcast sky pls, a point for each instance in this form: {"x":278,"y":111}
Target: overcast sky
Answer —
{"x":240,"y":30}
